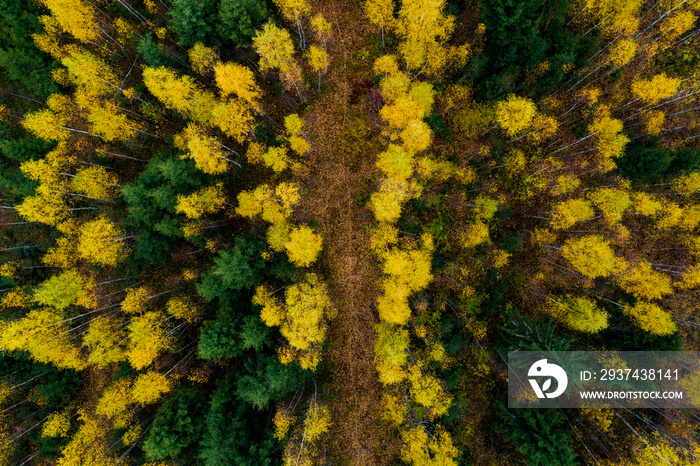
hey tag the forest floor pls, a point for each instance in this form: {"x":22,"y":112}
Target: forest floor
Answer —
{"x":342,"y":177}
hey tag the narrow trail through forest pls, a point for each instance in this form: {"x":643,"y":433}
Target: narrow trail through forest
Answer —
{"x":342,"y":173}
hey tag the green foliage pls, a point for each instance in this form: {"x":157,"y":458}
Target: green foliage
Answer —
{"x":240,"y":19}
{"x":228,"y":335}
{"x":236,"y":269}
{"x":218,"y":339}
{"x":645,"y":161}
{"x":147,"y":46}
{"x":519,"y":36}
{"x":232,"y":436}
{"x":193,"y":21}
{"x":24,"y":149}
{"x":177,"y":427}
{"x":151,"y":201}
{"x":521,"y":333}
{"x":539,"y":434}
{"x":47,"y":386}
{"x":265,"y":379}
{"x":438,"y":125}
{"x":21,"y":62}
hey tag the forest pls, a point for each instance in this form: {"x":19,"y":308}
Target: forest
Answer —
{"x":308,"y":232}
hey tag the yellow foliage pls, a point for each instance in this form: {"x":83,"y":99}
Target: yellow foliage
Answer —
{"x":255,"y":152}
{"x":95,"y":182}
{"x":613,"y":202}
{"x":380,"y":13}
{"x":427,"y":391}
{"x":383,"y":236}
{"x":429,"y":168}
{"x":670,"y":215}
{"x":278,"y":235}
{"x":76,"y":17}
{"x":273,"y":205}
{"x":393,"y":410}
{"x":207,"y":153}
{"x":395,"y":162}
{"x":147,"y":339}
{"x":276,"y":50}
{"x":302,"y":319}
{"x":474,"y":234}
{"x":651,"y":318}
{"x":610,"y":140}
{"x":41,"y":334}
{"x":642,"y":281}
{"x":676,"y":24}
{"x":46,"y":206}
{"x":623,"y":52}
{"x":18,"y":297}
{"x":569,"y":212}
{"x":416,"y":136}
{"x":617,"y":16}
{"x":282,"y":421}
{"x":100,"y":242}
{"x":293,"y":10}
{"x":272,"y":312}
{"x":132,"y":435}
{"x":56,"y":425}
{"x":580,"y":314}
{"x":135,"y":300}
{"x":104,"y":339}
{"x":276,"y":158}
{"x":687,"y":184}
{"x":294,"y":126}
{"x":391,"y":344}
{"x":177,"y":93}
{"x":645,"y":204}
{"x":149,"y":387}
{"x":202,"y":58}
{"x":46,"y":125}
{"x":392,"y":305}
{"x":318,"y":59}
{"x":423,"y":42}
{"x":420,"y":449}
{"x":307,"y":307}
{"x":9,"y":269}
{"x":232,"y":117}
{"x":303,"y":246}
{"x":690,"y":278}
{"x":387,"y":64}
{"x":654,"y":90}
{"x":386,"y":204}
{"x":543,"y":127}
{"x":90,"y":73}
{"x":238,"y":80}
{"x":654,"y":121}
{"x":402,"y":107}
{"x":182,"y":307}
{"x":565,"y":184}
{"x":500,"y":259}
{"x":209,"y":200}
{"x":107,"y":121}
{"x":515,"y":114}
{"x":317,"y":422}
{"x":591,"y":256}
{"x":321,"y":28}
{"x":115,"y":399}
{"x":89,"y":445}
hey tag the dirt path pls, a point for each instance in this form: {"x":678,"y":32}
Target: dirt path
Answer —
{"x":342,"y":171}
